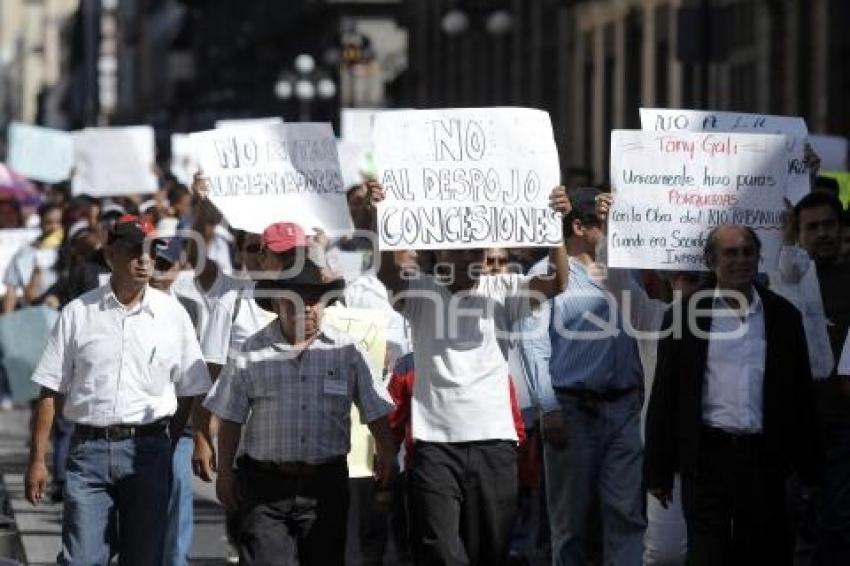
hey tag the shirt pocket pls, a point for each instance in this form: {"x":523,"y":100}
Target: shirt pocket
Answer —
{"x":159,"y":369}
{"x":335,"y":393}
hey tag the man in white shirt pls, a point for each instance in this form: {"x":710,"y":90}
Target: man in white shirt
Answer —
{"x":123,"y":365}
{"x":463,"y":481}
{"x":732,"y":411}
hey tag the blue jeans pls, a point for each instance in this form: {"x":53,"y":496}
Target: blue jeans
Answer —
{"x":116,"y":495}
{"x":178,"y":534}
{"x":603,"y":457}
{"x":63,"y":431}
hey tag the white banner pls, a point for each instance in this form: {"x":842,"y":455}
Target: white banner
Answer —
{"x":43,"y":154}
{"x":674,"y":120}
{"x":184,"y":163}
{"x":114,"y":161}
{"x":832,"y":151}
{"x":466,"y":177}
{"x":242,"y":122}
{"x":354,"y":160}
{"x":269,"y":173}
{"x":672,"y":188}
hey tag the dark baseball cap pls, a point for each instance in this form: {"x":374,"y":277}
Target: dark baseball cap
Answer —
{"x":133,"y":229}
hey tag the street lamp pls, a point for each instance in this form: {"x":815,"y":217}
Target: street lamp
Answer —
{"x":305,"y":84}
{"x":456,"y":22}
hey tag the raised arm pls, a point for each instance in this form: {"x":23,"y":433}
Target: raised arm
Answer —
{"x":645,"y":313}
{"x":553,"y":282}
{"x":389,"y":272}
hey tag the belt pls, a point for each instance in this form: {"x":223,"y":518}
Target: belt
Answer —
{"x":121,"y":431}
{"x":719,"y":437}
{"x":595,"y":397}
{"x":291,"y":469}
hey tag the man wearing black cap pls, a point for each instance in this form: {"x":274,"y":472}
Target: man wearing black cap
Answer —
{"x":116,"y":363}
{"x":292,"y":385}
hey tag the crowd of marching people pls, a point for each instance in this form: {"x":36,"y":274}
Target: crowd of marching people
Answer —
{"x":527,"y":394}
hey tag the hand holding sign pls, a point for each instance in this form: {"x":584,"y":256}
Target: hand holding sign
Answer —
{"x":672,"y":188}
{"x":265,"y":173}
{"x":471,"y":177}
{"x":559,"y":201}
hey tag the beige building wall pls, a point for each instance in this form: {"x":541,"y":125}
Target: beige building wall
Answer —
{"x":30,"y":50}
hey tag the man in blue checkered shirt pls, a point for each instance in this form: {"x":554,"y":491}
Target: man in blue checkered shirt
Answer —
{"x":292,"y":386}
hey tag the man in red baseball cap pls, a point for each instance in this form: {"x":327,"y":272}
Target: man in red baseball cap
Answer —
{"x":282,"y":237}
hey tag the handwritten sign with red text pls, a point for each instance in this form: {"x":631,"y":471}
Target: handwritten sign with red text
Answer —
{"x":794,"y":127}
{"x":672,"y":188}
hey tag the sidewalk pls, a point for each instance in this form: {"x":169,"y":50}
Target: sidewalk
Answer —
{"x":40,"y":527}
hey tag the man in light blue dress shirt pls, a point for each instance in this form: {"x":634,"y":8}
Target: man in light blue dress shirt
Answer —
{"x":590,"y":395}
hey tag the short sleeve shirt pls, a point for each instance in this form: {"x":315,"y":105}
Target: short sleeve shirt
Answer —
{"x":460,"y":344}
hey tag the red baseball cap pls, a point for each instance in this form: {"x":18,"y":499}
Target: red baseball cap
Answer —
{"x":281,"y":237}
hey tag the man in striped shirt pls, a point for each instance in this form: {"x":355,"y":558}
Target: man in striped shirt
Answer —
{"x":590,"y":395}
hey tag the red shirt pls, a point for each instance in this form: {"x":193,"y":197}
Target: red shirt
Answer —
{"x":400,"y":388}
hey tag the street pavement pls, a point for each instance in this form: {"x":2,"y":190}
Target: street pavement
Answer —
{"x":40,"y":527}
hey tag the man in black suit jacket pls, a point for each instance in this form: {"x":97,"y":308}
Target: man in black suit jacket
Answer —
{"x":732,"y":410}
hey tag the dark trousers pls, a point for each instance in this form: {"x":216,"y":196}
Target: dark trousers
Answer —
{"x":734,"y":506}
{"x":463,"y":498}
{"x":293,"y":519}
{"x":834,"y":542}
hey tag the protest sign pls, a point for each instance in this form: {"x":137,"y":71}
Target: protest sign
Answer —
{"x":23,"y":338}
{"x":184,"y":164}
{"x":369,"y":329}
{"x":673,"y":120}
{"x":269,"y":173}
{"x":114,"y":161}
{"x":43,"y":154}
{"x":353,"y":162}
{"x":11,"y":240}
{"x":832,"y":151}
{"x":241,"y":122}
{"x":672,"y":188}
{"x":356,"y":124}
{"x":461,"y":178}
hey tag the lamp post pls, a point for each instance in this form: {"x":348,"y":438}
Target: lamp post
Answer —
{"x":305,"y":83}
{"x":477,"y":28}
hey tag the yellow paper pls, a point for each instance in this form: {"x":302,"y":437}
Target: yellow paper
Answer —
{"x":843,"y":179}
{"x":369,"y":328}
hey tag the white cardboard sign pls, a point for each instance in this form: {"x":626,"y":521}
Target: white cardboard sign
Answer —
{"x":673,"y":120}
{"x":832,"y":151}
{"x":114,"y":161}
{"x":267,"y":173}
{"x":184,"y":163}
{"x":463,"y":178}
{"x":43,"y":154}
{"x":672,"y":188}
